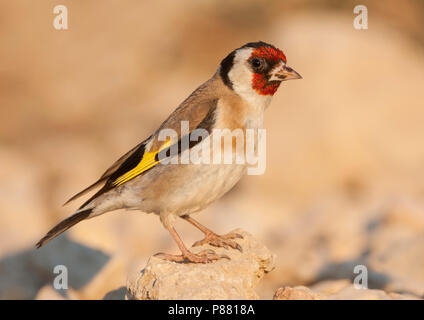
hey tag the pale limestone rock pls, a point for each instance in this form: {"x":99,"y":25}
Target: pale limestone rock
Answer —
{"x":297,"y":293}
{"x":223,"y":279}
{"x":329,"y":287}
{"x":337,"y":290}
{"x":352,"y":293}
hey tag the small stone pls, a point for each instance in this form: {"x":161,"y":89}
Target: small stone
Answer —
{"x":297,"y":293}
{"x":341,"y":289}
{"x":224,"y":279}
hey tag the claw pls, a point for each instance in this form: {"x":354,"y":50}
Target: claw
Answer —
{"x":170,"y":257}
{"x":223,"y":241}
{"x":233,"y":235}
{"x":212,"y":253}
{"x":205,"y":256}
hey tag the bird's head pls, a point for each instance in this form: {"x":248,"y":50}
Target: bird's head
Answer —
{"x":256,"y":68}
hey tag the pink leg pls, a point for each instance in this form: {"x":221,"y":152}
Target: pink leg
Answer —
{"x":214,"y":239}
{"x":205,"y":256}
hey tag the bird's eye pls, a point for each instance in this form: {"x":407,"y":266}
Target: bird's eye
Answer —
{"x":256,"y":63}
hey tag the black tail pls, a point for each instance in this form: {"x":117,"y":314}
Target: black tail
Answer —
{"x":63,"y":226}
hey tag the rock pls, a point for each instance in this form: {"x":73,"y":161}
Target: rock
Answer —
{"x":336,"y":290}
{"x":352,"y":293}
{"x":224,"y":279}
{"x":329,"y":287}
{"x":296,"y":293}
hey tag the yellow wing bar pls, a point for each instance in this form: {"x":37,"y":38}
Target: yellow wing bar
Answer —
{"x":148,"y":161}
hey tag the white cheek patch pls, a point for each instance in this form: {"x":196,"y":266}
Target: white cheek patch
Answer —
{"x":241,"y":77}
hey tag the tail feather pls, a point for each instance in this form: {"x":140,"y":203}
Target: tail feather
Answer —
{"x":89,"y":188}
{"x":64,"y":225}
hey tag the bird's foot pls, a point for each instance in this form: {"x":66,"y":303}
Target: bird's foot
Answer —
{"x":205,"y":256}
{"x":223,"y":241}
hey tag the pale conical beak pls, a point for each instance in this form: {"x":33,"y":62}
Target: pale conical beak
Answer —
{"x":285,"y":73}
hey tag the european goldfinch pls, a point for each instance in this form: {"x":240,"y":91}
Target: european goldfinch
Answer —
{"x":234,"y":98}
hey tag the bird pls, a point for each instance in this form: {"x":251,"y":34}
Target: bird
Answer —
{"x":235,"y":97}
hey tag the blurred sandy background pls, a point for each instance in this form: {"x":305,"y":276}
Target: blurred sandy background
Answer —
{"x":344,"y":183}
